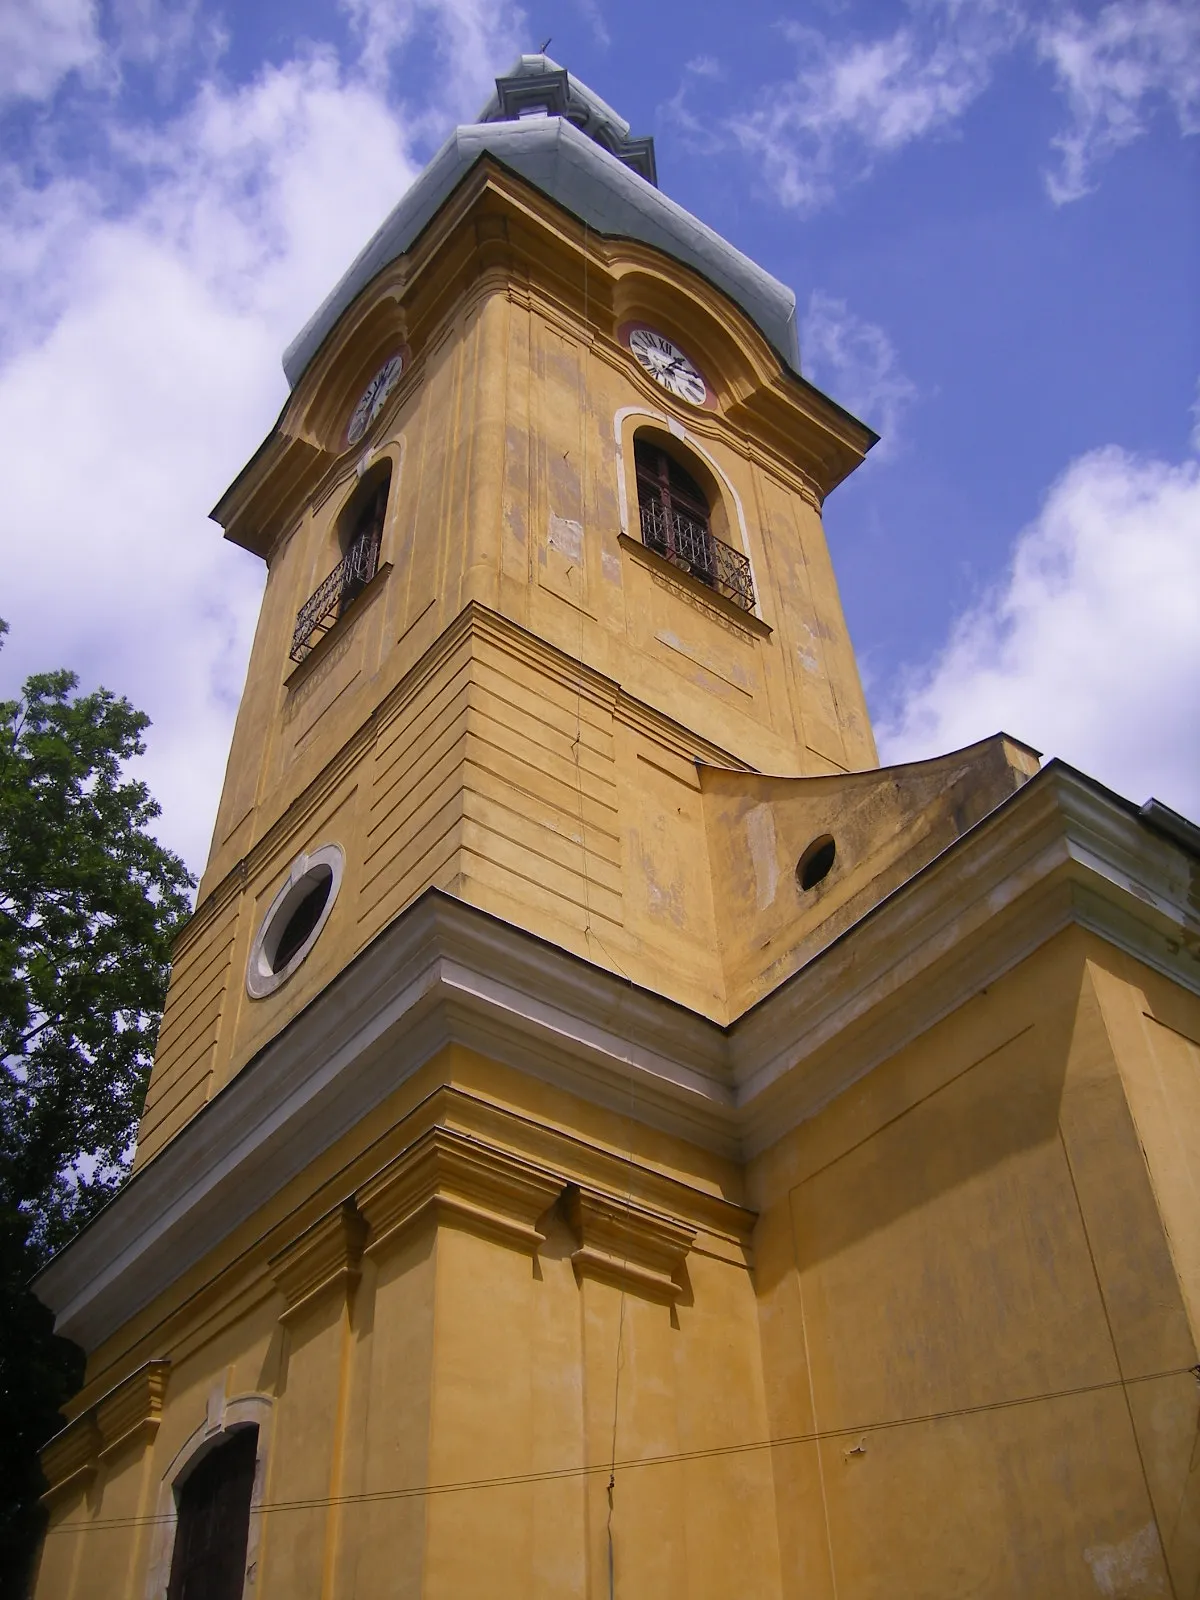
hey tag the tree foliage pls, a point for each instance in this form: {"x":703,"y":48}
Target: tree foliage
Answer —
{"x":89,"y":905}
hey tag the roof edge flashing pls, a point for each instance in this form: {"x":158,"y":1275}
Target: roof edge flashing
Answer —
{"x":593,"y":184}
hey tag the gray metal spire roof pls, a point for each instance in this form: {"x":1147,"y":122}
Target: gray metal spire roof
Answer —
{"x":556,"y":134}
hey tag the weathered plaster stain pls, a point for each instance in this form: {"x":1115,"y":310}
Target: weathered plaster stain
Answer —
{"x":1132,"y":1567}
{"x":760,"y":836}
{"x":566,"y":536}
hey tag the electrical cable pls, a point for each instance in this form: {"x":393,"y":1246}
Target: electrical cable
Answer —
{"x":664,"y":1458}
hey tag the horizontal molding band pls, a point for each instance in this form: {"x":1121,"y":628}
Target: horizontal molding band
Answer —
{"x":1060,"y":851}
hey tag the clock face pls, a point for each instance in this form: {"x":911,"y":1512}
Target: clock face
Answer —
{"x":374,"y":395}
{"x":668,"y":365}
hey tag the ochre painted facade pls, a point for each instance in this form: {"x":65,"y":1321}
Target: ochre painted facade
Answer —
{"x":595,"y":1211}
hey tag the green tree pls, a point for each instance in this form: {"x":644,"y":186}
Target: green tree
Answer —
{"x":89,"y":905}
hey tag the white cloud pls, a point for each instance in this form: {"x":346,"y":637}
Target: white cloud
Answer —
{"x":473,"y":40}
{"x":591,"y":13}
{"x":856,"y":364}
{"x":143,"y":369}
{"x":1113,"y":69}
{"x":165,"y":36}
{"x":44,"y":42}
{"x":41,"y":41}
{"x":852,"y":100}
{"x":1090,"y":648}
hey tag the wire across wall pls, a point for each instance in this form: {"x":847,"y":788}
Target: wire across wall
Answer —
{"x":860,"y":1432}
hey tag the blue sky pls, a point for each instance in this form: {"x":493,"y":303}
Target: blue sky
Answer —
{"x":989,"y":211}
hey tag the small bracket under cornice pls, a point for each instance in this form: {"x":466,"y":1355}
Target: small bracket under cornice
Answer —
{"x":627,"y":1245}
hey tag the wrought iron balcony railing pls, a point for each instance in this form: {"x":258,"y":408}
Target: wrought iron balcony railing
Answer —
{"x":323,"y":607}
{"x":688,"y":544}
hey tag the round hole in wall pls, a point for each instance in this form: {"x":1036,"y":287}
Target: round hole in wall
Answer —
{"x":815,"y":864}
{"x":294,"y":919}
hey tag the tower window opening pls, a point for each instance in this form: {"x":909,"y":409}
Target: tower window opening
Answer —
{"x":360,"y":535}
{"x":208,"y":1561}
{"x":676,"y":524}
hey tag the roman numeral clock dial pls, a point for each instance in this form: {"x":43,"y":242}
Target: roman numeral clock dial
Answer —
{"x":374,"y":396}
{"x":668,"y":366}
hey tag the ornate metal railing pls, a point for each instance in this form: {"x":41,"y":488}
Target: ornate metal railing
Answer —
{"x":326,"y":604}
{"x":688,"y":544}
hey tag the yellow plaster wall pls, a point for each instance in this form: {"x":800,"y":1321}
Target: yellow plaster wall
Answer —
{"x":966,"y":1294}
{"x":1155,"y":1028}
{"x":378,"y":1543}
{"x":957,"y":1359}
{"x":455,"y":1358}
{"x":520,"y":765}
{"x":505,"y":479}
{"x":952,"y":1355}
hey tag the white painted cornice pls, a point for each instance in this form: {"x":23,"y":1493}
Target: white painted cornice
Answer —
{"x":1060,"y":851}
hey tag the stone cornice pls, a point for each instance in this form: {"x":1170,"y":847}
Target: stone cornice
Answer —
{"x":718,"y":1220}
{"x":1060,"y":851}
{"x":450,"y":1178}
{"x":72,"y":1458}
{"x":473,"y":621}
{"x":134,"y":1408}
{"x":326,"y":1256}
{"x":627,"y":1245}
{"x":129,"y":1412}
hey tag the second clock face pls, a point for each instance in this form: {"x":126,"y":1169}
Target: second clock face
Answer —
{"x":668,"y":365}
{"x":374,"y":395}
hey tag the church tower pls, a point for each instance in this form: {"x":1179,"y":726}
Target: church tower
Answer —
{"x":608,"y":1137}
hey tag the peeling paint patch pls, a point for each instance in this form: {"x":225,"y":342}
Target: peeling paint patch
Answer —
{"x":808,"y":661}
{"x":1117,"y":1568}
{"x":760,"y":836}
{"x":664,"y":903}
{"x":612,"y":566}
{"x":566,"y":537}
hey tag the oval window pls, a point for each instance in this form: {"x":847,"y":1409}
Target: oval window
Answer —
{"x":817,"y":861}
{"x":294,"y":919}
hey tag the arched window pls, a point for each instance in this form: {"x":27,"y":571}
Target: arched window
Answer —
{"x":209,"y":1558}
{"x":676,"y":520}
{"x":360,"y":532}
